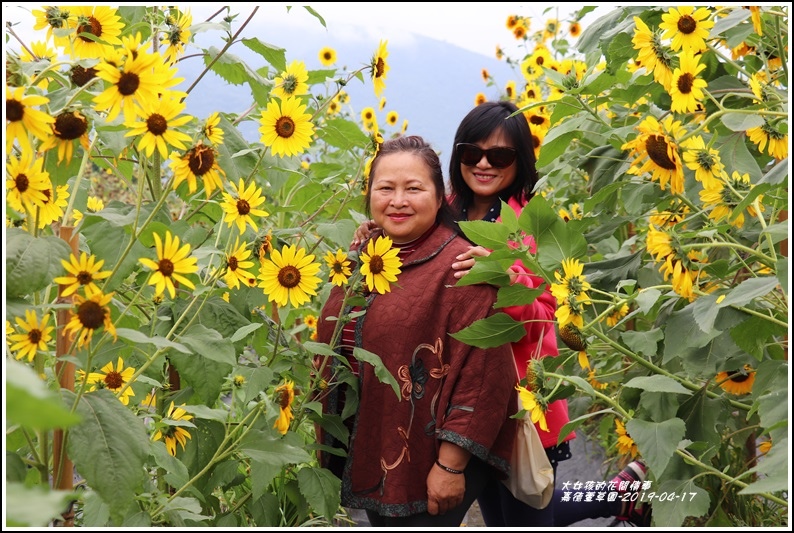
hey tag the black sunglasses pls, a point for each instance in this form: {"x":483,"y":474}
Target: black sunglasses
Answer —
{"x":499,"y":157}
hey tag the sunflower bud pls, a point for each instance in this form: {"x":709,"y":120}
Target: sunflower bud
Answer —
{"x":573,"y":338}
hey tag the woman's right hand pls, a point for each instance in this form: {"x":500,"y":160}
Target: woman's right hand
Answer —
{"x":363,"y":232}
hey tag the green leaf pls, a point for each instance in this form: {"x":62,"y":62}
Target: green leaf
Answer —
{"x":647,"y":298}
{"x":574,"y":424}
{"x":774,"y":469}
{"x":749,"y":290}
{"x":487,"y":271}
{"x":204,"y":374}
{"x":735,"y":155}
{"x":33,"y":506}
{"x":610,"y":272}
{"x":343,"y":134}
{"x":687,"y":334}
{"x":275,"y":55}
{"x":753,"y":334}
{"x":209,"y":343}
{"x":555,"y":240}
{"x":176,"y":473}
{"x":742,"y":121}
{"x":381,"y":372}
{"x":657,"y":383}
{"x":274,"y":449}
{"x":643,"y":342}
{"x":778,"y":174}
{"x":32,"y":262}
{"x":691,"y":501}
{"x":701,"y":414}
{"x":516,"y":294}
{"x":140,"y":338}
{"x":109,"y":449}
{"x":492,"y":331}
{"x":656,"y":441}
{"x":486,"y":234}
{"x":30,"y":403}
{"x":321,"y":488}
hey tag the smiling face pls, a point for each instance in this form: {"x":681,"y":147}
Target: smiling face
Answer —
{"x":484,"y":180}
{"x":404,"y":200}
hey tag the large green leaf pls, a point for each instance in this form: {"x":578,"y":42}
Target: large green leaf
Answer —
{"x":275,"y":55}
{"x":555,"y":240}
{"x":700,"y":414}
{"x":657,"y":383}
{"x":205,"y":374}
{"x":656,"y":441}
{"x":343,"y":134}
{"x":688,"y":500}
{"x":321,"y":488}
{"x":30,"y":403}
{"x":381,"y":372}
{"x":32,"y":262}
{"x":208,"y":343}
{"x":495,"y":330}
{"x":109,"y":449}
{"x":33,"y":506}
{"x":486,"y":234}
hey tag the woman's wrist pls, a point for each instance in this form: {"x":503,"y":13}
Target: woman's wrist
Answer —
{"x":448,"y":469}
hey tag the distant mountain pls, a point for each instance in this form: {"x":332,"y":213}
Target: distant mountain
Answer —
{"x":430,"y":83}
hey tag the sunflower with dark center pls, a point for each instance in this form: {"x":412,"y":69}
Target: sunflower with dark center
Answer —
{"x":101,"y":22}
{"x":339,"y":267}
{"x":289,"y":276}
{"x":237,"y":263}
{"x":115,"y":379}
{"x":200,"y":161}
{"x":89,"y":315}
{"x":380,"y":68}
{"x":172,"y":263}
{"x":243,"y":205}
{"x":285,"y":127}
{"x":69,"y":126}
{"x":380,"y":264}
{"x":655,"y":151}
{"x":34,"y":336}
{"x":738,"y":382}
{"x":687,"y":27}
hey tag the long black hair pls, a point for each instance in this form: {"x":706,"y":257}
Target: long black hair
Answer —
{"x":479,"y":124}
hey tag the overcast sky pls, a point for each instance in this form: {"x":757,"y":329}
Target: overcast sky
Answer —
{"x":475,"y":26}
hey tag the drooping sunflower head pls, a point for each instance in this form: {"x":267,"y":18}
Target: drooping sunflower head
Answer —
{"x":625,"y":444}
{"x":172,"y":433}
{"x":738,"y":382}
{"x":285,"y":395}
{"x":380,"y":68}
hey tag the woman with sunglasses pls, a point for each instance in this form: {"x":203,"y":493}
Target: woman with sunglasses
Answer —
{"x":494,"y":161}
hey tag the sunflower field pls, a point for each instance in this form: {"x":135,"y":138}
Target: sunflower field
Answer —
{"x":164,"y":274}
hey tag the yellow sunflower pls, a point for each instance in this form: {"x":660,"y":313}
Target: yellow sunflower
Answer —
{"x":26,"y":182}
{"x":737,"y":382}
{"x":479,"y":98}
{"x":530,"y":403}
{"x":285,"y":395}
{"x":778,"y":141}
{"x":310,"y":321}
{"x":83,"y":272}
{"x":140,"y":78}
{"x":286,"y":129}
{"x":380,"y":68}
{"x":236,"y":264}
{"x":34,"y":335}
{"x":723,"y":200}
{"x":90,"y":314}
{"x":575,"y":29}
{"x":382,"y":103}
{"x":617,"y":314}
{"x":339,"y":267}
{"x":93,"y":205}
{"x":241,"y":206}
{"x":53,"y":18}
{"x":570,"y":311}
{"x":69,"y":126}
{"x":687,"y":27}
{"x":177,"y":34}
{"x":115,"y":379}
{"x":598,"y":385}
{"x":172,"y":262}
{"x":212,"y":130}
{"x":54,"y":203}
{"x":22,"y":119}
{"x":573,"y":283}
{"x":290,"y":275}
{"x":102,"y":23}
{"x":174,"y":432}
{"x":652,"y":54}
{"x":392,"y":117}
{"x":201,"y":161}
{"x":291,"y":82}
{"x":160,"y":118}
{"x":704,"y":161}
{"x":656,"y":151}
{"x":686,"y":89}
{"x":380,"y":264}
{"x":327,"y":56}
{"x":626,"y":445}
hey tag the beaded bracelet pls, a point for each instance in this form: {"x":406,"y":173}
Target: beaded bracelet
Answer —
{"x":448,"y":469}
